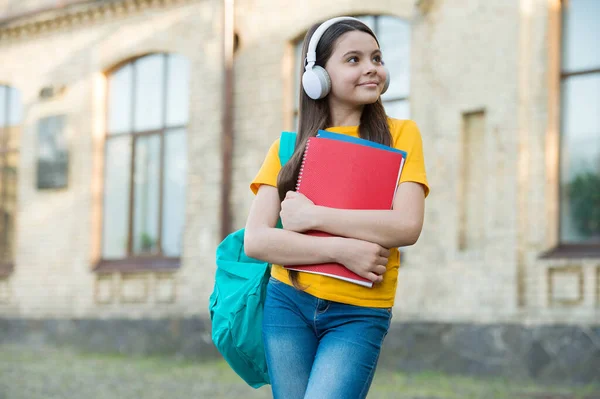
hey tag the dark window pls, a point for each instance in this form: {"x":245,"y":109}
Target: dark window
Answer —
{"x":52,"y":153}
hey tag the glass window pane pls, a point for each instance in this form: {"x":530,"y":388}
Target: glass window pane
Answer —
{"x":149,"y":93}
{"x":146,"y":194}
{"x":14,"y":107}
{"x":178,"y":90}
{"x":3,"y":99}
{"x":394,"y":39}
{"x":581,"y":31}
{"x":9,"y":203}
{"x":580,"y":159}
{"x":397,"y":109}
{"x":116,"y":197}
{"x":120,"y":86}
{"x":174,"y":190}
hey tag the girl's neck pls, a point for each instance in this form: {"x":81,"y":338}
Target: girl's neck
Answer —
{"x":345,"y":116}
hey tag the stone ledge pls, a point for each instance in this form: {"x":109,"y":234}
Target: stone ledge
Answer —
{"x":549,"y":353}
{"x":189,"y":338}
{"x":76,"y":13}
{"x":582,"y":251}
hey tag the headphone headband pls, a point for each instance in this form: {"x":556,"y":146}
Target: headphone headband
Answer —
{"x":311,"y":54}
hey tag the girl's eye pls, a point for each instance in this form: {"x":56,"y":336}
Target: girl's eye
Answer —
{"x":353,"y":59}
{"x":377,"y":59}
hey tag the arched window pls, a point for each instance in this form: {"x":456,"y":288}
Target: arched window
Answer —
{"x":145,"y":158}
{"x":580,"y":124}
{"x":394,"y":38}
{"x":10,"y":131}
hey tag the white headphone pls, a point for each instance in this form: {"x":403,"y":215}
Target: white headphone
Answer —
{"x":315,"y":80}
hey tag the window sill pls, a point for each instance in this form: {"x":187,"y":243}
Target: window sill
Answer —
{"x":138,"y":264}
{"x":6,"y":269}
{"x":565,"y":251}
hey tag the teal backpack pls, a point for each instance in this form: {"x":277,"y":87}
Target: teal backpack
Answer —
{"x":236,"y":304}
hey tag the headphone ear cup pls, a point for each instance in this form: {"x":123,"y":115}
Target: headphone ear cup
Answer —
{"x":386,"y":85}
{"x":316,"y":82}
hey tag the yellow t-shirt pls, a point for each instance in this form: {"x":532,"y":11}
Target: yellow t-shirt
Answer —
{"x":406,"y":137}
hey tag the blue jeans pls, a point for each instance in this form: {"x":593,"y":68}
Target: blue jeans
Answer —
{"x":320,"y":349}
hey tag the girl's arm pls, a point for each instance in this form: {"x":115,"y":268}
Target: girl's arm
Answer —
{"x":265,"y":242}
{"x":398,"y":227}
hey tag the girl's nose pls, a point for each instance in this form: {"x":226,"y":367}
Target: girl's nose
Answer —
{"x":370,"y":70}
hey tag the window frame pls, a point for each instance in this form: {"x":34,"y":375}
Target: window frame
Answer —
{"x":133,"y":262}
{"x":567,"y":250}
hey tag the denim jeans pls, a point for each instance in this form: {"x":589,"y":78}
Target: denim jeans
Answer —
{"x":320,"y":349}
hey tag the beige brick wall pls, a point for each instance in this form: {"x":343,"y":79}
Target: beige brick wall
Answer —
{"x":461,"y":63}
{"x":56,"y":233}
{"x":467,"y":55}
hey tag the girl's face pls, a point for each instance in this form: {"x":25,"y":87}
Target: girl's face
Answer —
{"x":356,"y":70}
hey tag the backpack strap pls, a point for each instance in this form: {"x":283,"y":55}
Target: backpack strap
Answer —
{"x":287,"y":144}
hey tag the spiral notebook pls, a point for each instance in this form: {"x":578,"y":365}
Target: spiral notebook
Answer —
{"x":340,"y":172}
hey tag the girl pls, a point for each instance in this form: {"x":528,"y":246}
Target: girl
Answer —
{"x":323,"y":336}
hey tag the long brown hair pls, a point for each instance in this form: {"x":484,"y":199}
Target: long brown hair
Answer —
{"x":315,"y":114}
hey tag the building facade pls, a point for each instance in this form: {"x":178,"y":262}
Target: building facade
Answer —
{"x":116,"y":186}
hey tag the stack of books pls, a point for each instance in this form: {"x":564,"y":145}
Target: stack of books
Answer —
{"x":345,"y":172}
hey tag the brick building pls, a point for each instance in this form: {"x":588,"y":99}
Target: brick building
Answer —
{"x":115,"y":186}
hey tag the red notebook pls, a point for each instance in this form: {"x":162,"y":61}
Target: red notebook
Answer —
{"x":346,"y":175}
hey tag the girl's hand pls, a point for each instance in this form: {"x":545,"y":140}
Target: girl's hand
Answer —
{"x":364,"y":258}
{"x":297,"y":212}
